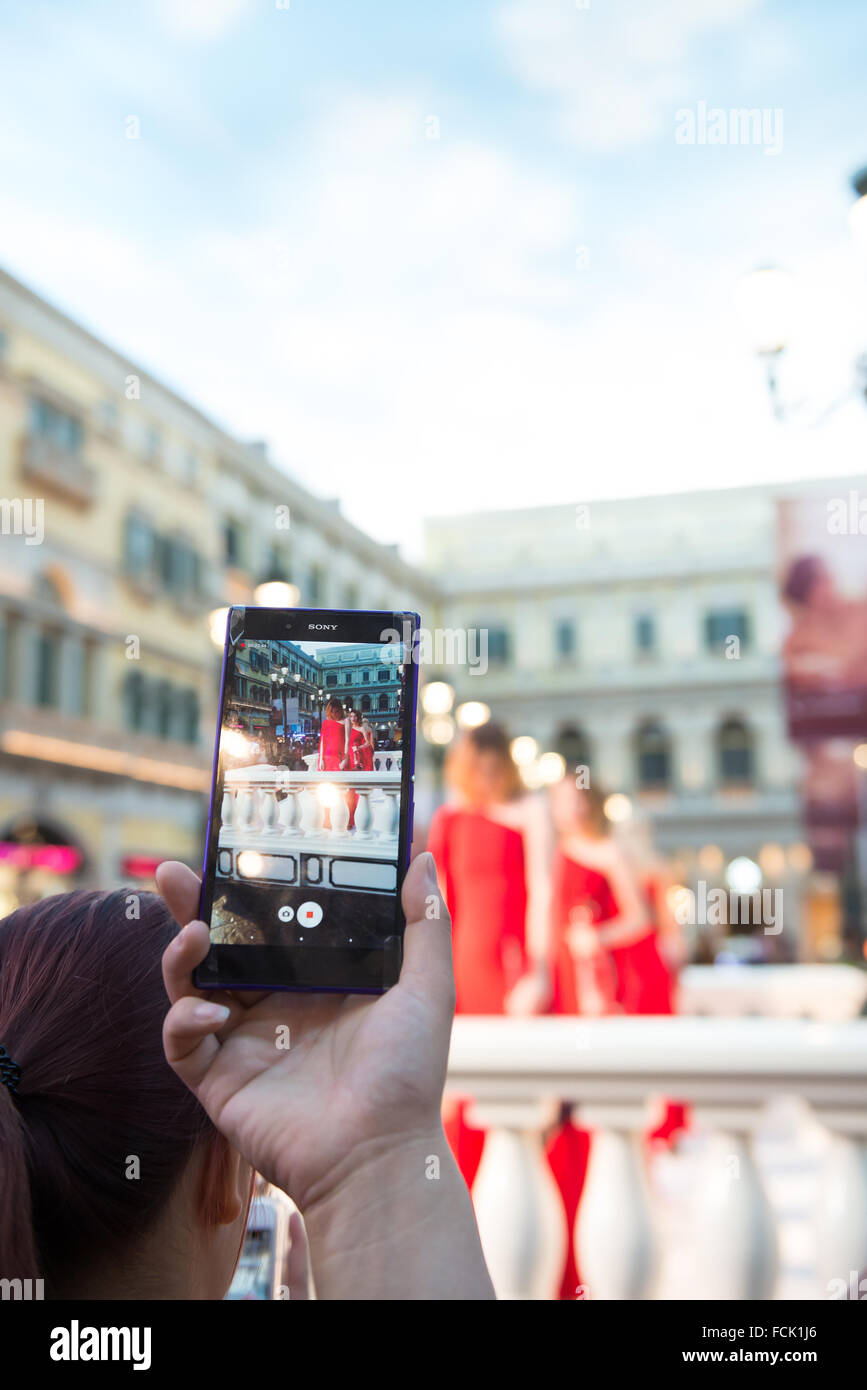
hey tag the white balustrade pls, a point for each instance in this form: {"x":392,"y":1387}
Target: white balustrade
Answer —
{"x":274,"y":811}
{"x":733,"y":1073}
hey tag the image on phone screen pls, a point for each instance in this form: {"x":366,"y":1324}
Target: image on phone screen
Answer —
{"x":309,"y":827}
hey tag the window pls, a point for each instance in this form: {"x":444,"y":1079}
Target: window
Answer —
{"x":56,"y":427}
{"x":47,"y":645}
{"x":189,"y":717}
{"x":348,"y":678}
{"x":498,"y":645}
{"x":232,"y":548}
{"x":365,"y":677}
{"x":139,"y":547}
{"x":653,"y":756}
{"x":153,"y":444}
{"x":315,"y":585}
{"x":734,"y":753}
{"x":331,"y":678}
{"x":383,"y":703}
{"x":134,"y":698}
{"x":365,"y":704}
{"x":564,"y":637}
{"x":383,"y":674}
{"x":573,"y":745}
{"x":724,"y":623}
{"x":644,"y":634}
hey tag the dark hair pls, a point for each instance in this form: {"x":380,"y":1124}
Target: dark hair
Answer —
{"x":81,"y":1009}
{"x":801,"y":578}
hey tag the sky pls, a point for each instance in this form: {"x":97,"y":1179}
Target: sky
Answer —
{"x":452,"y":257}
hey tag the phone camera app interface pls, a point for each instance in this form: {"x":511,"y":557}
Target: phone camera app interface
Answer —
{"x":309,"y":791}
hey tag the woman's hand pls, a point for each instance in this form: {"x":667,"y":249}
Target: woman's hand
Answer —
{"x":531,"y":994}
{"x":581,"y":938}
{"x":358,"y":1074}
{"x":336,"y":1099}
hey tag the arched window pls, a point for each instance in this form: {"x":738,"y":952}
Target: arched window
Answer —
{"x":365,"y":704}
{"x":652,"y":756}
{"x":573,"y":745}
{"x":383,"y":702}
{"x":734,"y":753}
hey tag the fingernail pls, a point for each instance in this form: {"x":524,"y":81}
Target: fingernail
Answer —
{"x":212,"y":1013}
{"x":430,"y":868}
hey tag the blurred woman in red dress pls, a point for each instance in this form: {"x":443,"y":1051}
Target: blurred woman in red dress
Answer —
{"x":606,"y":958}
{"x":491,"y":844}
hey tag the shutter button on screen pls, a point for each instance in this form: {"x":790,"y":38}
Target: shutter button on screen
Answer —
{"x":285,"y":914}
{"x":309,"y":915}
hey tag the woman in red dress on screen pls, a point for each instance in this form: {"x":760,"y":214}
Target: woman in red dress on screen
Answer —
{"x":332,"y":739}
{"x":353,"y":747}
{"x":492,"y":846}
{"x":606,"y":959}
{"x":366,"y":751}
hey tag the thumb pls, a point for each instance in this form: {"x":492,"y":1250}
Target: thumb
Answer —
{"x":427,"y":953}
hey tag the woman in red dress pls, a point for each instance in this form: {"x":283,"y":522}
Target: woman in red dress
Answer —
{"x":366,"y":754}
{"x":353,"y":747}
{"x":605,"y":960}
{"x":492,"y":849}
{"x":332,"y":738}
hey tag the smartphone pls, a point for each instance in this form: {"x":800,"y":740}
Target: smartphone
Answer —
{"x":310,"y":822}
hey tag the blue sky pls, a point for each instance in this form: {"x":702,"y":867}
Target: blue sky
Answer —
{"x":449,"y":256}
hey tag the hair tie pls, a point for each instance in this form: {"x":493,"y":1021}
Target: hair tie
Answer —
{"x":10,"y":1072}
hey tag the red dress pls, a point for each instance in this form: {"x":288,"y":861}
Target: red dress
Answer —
{"x":356,"y":739}
{"x":481,"y":865}
{"x":641,"y":985}
{"x":331,"y":743}
{"x":366,"y":757}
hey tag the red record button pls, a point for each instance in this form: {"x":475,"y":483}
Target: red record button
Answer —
{"x":309,"y":915}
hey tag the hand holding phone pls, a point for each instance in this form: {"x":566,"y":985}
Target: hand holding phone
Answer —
{"x":298,"y":1084}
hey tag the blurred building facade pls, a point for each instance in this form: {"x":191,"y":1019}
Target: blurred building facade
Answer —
{"x":641,"y":638}
{"x":128,"y":516}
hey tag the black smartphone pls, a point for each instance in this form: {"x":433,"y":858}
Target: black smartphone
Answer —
{"x":310,"y":822}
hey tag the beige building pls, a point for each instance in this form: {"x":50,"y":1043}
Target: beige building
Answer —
{"x":126,"y":517}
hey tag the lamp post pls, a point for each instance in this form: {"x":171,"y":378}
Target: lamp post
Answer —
{"x":280,"y":680}
{"x":765,"y":302}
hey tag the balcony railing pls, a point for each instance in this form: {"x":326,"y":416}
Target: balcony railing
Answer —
{"x":294,"y":827}
{"x":765,"y":1198}
{"x":57,"y":469}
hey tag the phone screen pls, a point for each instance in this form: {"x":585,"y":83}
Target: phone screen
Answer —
{"x":310,"y":824}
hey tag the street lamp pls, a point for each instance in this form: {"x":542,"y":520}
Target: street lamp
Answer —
{"x":765,"y":300}
{"x":274,"y":593}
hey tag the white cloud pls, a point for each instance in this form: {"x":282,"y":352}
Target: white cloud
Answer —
{"x":201,"y":19}
{"x":614,"y":76}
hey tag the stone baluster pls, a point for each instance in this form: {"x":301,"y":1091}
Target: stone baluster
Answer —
{"x":340,"y":813}
{"x":268,"y":811}
{"x":735,"y":1226}
{"x":363,"y":816}
{"x":386,"y":815}
{"x":248,"y":810}
{"x":288,"y":813}
{"x":227,"y":809}
{"x":615,"y":1246}
{"x":841,"y":1217}
{"x":518,"y":1208}
{"x":311,"y":812}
